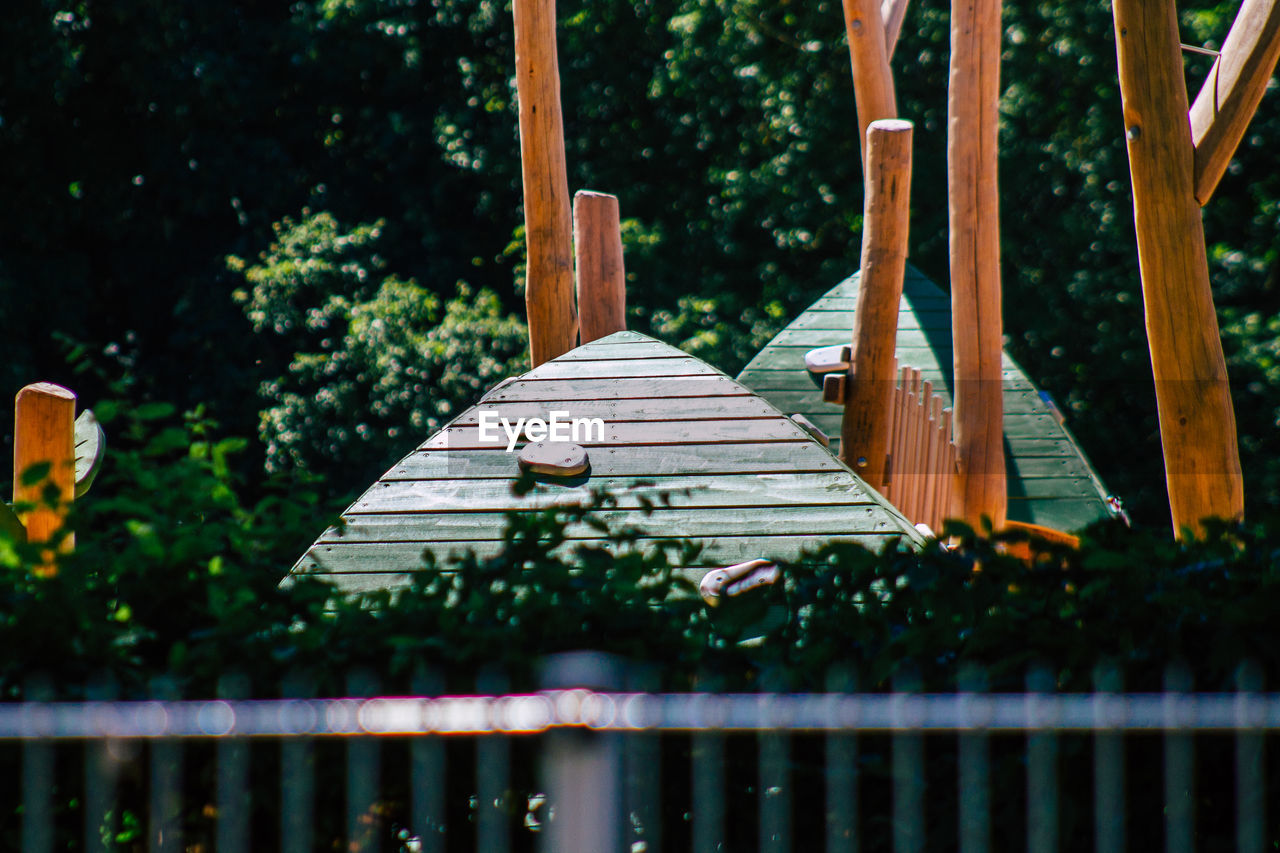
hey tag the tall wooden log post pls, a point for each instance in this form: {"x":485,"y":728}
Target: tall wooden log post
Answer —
{"x":1193,"y":399}
{"x":893,"y":13}
{"x":1230,"y":95}
{"x":602,"y":284}
{"x":864,"y":430}
{"x":44,"y":433}
{"x":973,"y":216}
{"x":869,"y":55}
{"x":553,"y":323}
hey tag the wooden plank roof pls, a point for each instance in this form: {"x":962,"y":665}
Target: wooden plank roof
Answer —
{"x":1051,"y":482}
{"x":736,"y":473}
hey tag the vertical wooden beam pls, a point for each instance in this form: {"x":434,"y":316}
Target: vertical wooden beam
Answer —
{"x":44,"y":433}
{"x":869,"y":55}
{"x":1193,"y":399}
{"x":602,"y":281}
{"x":553,"y":324}
{"x":974,"y":219}
{"x":864,"y":430}
{"x":892,"y":12}
{"x":1229,"y":97}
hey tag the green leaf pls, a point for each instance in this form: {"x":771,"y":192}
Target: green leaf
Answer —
{"x":153,"y":411}
{"x":36,"y":473}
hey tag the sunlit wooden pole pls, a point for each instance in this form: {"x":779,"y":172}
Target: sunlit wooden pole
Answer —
{"x":1230,"y":94}
{"x":44,"y":432}
{"x":864,"y":431}
{"x":1193,"y":398}
{"x":869,"y":56}
{"x":602,"y":287}
{"x":973,"y":216}
{"x":553,"y":323}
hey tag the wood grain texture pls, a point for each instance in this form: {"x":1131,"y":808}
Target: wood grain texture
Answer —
{"x":1193,"y":398}
{"x":1050,"y":482}
{"x":553,"y":324}
{"x":974,"y":247}
{"x":601,"y":277}
{"x":869,"y":56}
{"x":44,"y":434}
{"x":740,"y":477}
{"x":886,"y":215}
{"x":1230,"y":95}
{"x":892,"y":12}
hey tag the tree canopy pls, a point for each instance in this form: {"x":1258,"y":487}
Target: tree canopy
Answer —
{"x":144,"y":143}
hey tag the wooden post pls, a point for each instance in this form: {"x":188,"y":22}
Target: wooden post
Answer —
{"x":602,"y":283}
{"x":44,"y":432}
{"x":872,"y":80}
{"x":973,"y":214}
{"x":1193,"y":399}
{"x":553,"y":324}
{"x":892,"y":12}
{"x":864,"y":430}
{"x":1230,"y":95}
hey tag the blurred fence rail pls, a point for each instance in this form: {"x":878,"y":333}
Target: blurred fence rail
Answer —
{"x":588,"y":770}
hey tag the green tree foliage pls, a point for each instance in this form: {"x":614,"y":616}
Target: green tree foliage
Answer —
{"x":145,"y":141}
{"x":377,"y":361}
{"x":188,"y":589}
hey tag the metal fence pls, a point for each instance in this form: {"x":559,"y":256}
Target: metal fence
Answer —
{"x":589,"y":770}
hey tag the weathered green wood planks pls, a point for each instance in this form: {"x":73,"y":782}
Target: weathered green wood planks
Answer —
{"x":685,"y":452}
{"x":1050,"y":481}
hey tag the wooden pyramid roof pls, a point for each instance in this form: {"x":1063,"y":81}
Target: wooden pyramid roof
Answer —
{"x":757,"y":484}
{"x":1051,"y":482}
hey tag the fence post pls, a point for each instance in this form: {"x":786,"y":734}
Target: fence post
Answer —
{"x":975,"y":774}
{"x":99,"y":772}
{"x":364,"y":767}
{"x":1179,"y":776}
{"x":37,"y":780}
{"x":1251,"y":817}
{"x":908,"y":778}
{"x":708,"y":781}
{"x":165,"y":825}
{"x":232,"y":756}
{"x":582,"y":770}
{"x":774,"y":781}
{"x":297,"y":776}
{"x":427,"y":772}
{"x":842,"y":774}
{"x":643,"y":757}
{"x":1042,"y":774}
{"x":493,"y":773}
{"x":1108,"y":764}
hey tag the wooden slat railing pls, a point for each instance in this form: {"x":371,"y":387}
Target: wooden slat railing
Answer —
{"x":921,"y":478}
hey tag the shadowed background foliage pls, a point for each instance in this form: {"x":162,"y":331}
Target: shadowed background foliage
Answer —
{"x":148,"y":148}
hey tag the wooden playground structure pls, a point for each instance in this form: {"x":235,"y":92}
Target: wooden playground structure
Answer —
{"x":1177,"y":155}
{"x":928,"y":419}
{"x":906,"y":383}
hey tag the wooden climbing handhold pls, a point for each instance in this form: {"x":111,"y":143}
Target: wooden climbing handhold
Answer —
{"x":823,"y":360}
{"x":91,"y":448}
{"x":554,"y":459}
{"x":810,"y":427}
{"x":833,"y":387}
{"x":737,"y":579}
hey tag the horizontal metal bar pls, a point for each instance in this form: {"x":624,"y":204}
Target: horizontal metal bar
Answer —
{"x":539,"y":712}
{"x":1203,"y":51}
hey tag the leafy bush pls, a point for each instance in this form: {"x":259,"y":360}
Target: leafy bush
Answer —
{"x":373,"y":360}
{"x":176,"y":576}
